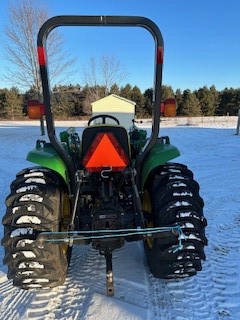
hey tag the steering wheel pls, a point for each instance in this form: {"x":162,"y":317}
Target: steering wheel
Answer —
{"x":103,"y":117}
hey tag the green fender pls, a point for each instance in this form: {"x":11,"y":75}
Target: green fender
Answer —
{"x":162,"y":152}
{"x":45,"y":156}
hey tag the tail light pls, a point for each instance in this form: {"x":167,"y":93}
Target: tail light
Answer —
{"x":35,"y":109}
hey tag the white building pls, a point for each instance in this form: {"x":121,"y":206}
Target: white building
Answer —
{"x":121,"y":108}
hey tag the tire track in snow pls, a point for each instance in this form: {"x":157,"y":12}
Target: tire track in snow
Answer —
{"x":69,"y":300}
{"x":86,"y":278}
{"x":13,"y":301}
{"x":224,"y":240}
{"x":186,"y":298}
{"x":214,"y":292}
{"x":159,"y":299}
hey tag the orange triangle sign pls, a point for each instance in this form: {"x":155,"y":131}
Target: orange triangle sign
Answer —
{"x":105,"y":152}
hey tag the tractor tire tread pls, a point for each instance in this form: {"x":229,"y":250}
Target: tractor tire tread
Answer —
{"x":33,"y":206}
{"x":176,"y":201}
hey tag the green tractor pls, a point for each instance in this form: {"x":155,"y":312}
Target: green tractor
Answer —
{"x":108,"y":186}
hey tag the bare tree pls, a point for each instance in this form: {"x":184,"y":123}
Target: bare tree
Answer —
{"x":112,"y":72}
{"x":99,"y":76}
{"x":25,"y":19}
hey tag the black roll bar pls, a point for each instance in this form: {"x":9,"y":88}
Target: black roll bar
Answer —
{"x":115,"y":21}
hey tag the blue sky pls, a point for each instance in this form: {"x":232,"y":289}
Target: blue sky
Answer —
{"x":201,"y":37}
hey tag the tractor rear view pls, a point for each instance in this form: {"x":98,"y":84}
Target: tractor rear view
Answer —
{"x":110,"y":185}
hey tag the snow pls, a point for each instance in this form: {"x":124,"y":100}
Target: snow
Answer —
{"x":28,"y":188}
{"x":21,"y":231}
{"x":30,"y":197}
{"x":32,"y":264}
{"x":176,"y":194}
{"x":28,"y":219}
{"x":180,"y":203}
{"x":34,"y":174}
{"x":27,"y":254}
{"x":29,"y":207}
{"x":212,"y":152}
{"x":188,"y":225}
{"x":37,"y":180}
{"x":178,"y":184}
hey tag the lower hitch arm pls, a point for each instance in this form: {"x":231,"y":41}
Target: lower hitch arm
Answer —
{"x":109,"y":274}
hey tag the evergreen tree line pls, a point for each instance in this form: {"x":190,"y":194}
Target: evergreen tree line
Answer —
{"x":75,"y":101}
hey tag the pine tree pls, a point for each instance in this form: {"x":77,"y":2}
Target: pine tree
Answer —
{"x":190,"y":105}
{"x":126,"y":91}
{"x":229,"y":102}
{"x":178,"y":97}
{"x":166,"y":92}
{"x":137,"y":96}
{"x":148,"y":103}
{"x":67,"y":100}
{"x":208,"y":99}
{"x":11,"y":103}
{"x":115,"y":89}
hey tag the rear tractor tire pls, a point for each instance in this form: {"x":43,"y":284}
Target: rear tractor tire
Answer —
{"x":174,"y":200}
{"x":38,"y":202}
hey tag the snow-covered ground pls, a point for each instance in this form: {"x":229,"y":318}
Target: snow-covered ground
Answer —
{"x":214,"y":294}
